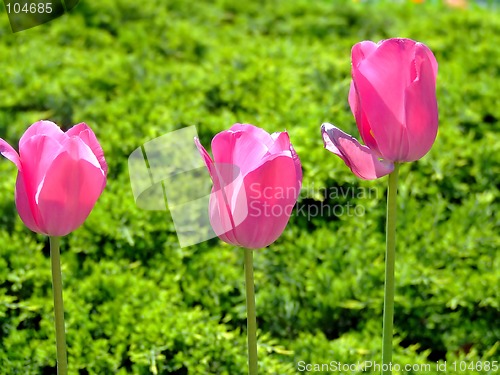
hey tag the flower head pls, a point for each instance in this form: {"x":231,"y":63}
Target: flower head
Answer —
{"x":61,"y":176}
{"x":393,"y":99}
{"x":257,"y":178}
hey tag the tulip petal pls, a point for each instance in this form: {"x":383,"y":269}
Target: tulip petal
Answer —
{"x":257,"y":133}
{"x":37,"y":154}
{"x":358,"y":53}
{"x":421,"y":106}
{"x":221,"y":217}
{"x":422,"y":48}
{"x":271,"y":193}
{"x":9,"y":153}
{"x":361,"y":51}
{"x":86,"y":134}
{"x":284,"y":147}
{"x":84,"y":152}
{"x":47,"y":128}
{"x":244,"y":147}
{"x":281,"y":143}
{"x":209,"y":163}
{"x":70,"y":189}
{"x":380,"y":81}
{"x":298,"y":167}
{"x":228,"y":208}
{"x":363,"y":124}
{"x":26,"y":208}
{"x":362,"y":161}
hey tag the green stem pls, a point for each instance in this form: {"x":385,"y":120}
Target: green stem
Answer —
{"x":62,"y":362}
{"x":390,"y":256}
{"x":251,"y":317}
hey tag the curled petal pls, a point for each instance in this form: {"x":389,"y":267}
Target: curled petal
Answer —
{"x":362,"y":161}
{"x":209,"y":163}
{"x":8,"y":152}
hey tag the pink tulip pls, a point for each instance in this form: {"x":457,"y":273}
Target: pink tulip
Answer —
{"x":257,"y":179}
{"x":393,"y":99}
{"x":61,"y":176}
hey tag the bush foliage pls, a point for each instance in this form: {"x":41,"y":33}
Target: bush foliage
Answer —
{"x":137,"y":303}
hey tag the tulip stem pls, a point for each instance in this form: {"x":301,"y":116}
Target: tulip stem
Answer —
{"x":390,"y":256}
{"x":251,"y":316}
{"x":62,"y":362}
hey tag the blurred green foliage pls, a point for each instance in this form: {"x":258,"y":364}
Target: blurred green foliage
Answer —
{"x":136,"y":303}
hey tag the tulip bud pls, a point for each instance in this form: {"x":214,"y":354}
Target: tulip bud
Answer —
{"x":393,"y":99}
{"x":61,"y":176}
{"x":257,"y":179}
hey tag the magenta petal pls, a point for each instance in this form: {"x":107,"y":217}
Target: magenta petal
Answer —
{"x":298,"y":168}
{"x":70,"y":190}
{"x":353,"y":100}
{"x":361,"y":51}
{"x":281,"y":143}
{"x":358,"y":53}
{"x":80,"y":150}
{"x":271,"y":193}
{"x":220,"y":213}
{"x":204,"y":154}
{"x":364,"y":126}
{"x":362,"y":161}
{"x":257,"y":133}
{"x":8,"y":152}
{"x":208,"y":163}
{"x":86,"y":134}
{"x":26,"y":207}
{"x":227,"y":209}
{"x":422,"y":48}
{"x":381,"y":80}
{"x":244,"y":148}
{"x":421,"y":106}
{"x":37,"y":154}
{"x":47,"y":128}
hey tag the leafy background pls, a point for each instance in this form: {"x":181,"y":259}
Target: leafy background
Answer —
{"x":137,"y":303}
